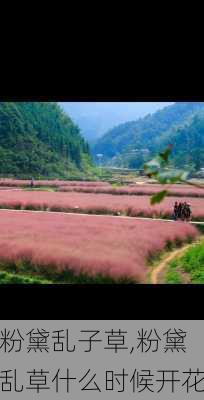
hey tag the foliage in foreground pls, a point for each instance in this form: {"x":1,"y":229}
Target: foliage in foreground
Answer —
{"x":158,"y":168}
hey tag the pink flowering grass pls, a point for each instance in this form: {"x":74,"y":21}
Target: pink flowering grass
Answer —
{"x":49,"y":183}
{"x":148,"y":189}
{"x":93,"y":245}
{"x":105,"y":187}
{"x":92,"y":203}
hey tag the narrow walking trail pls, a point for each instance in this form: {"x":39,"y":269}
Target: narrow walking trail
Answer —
{"x":162,"y":265}
{"x":156,"y":273}
{"x":97,"y":215}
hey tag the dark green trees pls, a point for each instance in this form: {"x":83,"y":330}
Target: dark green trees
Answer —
{"x":39,"y":139}
{"x":181,"y":124}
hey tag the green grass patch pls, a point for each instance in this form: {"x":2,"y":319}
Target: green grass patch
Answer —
{"x":191,"y":263}
{"x":173,"y":277}
{"x":23,"y":271}
{"x":11,"y":278}
{"x":40,"y":188}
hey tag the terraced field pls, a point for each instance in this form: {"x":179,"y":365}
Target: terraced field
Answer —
{"x":60,"y":246}
{"x":50,"y":247}
{"x":92,"y":203}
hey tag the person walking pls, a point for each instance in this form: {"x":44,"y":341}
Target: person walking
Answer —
{"x":179,"y":211}
{"x":175,"y":213}
{"x":185,"y":212}
{"x":182,"y":211}
{"x":32,"y":183}
{"x":188,"y":212}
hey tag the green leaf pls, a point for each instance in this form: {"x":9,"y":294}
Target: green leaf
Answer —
{"x":158,"y":197}
{"x":152,"y":167}
{"x":154,"y":163}
{"x":184,"y":175}
{"x":166,"y":153}
{"x":171,"y":177}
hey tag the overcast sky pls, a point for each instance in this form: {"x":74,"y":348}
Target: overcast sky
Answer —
{"x":95,"y":118}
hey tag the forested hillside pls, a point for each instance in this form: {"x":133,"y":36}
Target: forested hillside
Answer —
{"x":38,"y":139}
{"x":96,"y":118}
{"x":133,"y":143}
{"x":188,"y":143}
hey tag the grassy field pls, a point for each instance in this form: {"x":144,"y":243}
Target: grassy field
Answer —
{"x":189,"y":268}
{"x":136,"y":189}
{"x":57,"y":248}
{"x":25,"y":273}
{"x":84,"y":249}
{"x":13,"y":278}
{"x":91,"y":203}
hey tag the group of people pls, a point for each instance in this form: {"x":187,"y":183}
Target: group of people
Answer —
{"x":182,"y":211}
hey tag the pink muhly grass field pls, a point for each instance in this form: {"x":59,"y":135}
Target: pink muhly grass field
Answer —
{"x":105,"y":187}
{"x":93,"y":203}
{"x":148,"y":189}
{"x":49,"y":183}
{"x":94,"y":245}
{"x":176,"y":189}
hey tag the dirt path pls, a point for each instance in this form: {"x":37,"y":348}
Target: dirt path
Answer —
{"x":156,"y":273}
{"x":99,"y":215}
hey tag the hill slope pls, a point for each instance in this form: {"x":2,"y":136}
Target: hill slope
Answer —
{"x":188,"y":142}
{"x":38,"y":139}
{"x":132,"y":143}
{"x":96,"y":118}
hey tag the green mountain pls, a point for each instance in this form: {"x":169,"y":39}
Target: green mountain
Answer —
{"x":188,"y":142}
{"x":133,"y":143}
{"x":38,"y":139}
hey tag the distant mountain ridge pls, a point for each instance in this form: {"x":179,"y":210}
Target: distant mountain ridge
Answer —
{"x":132,"y":143}
{"x":96,"y":118}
